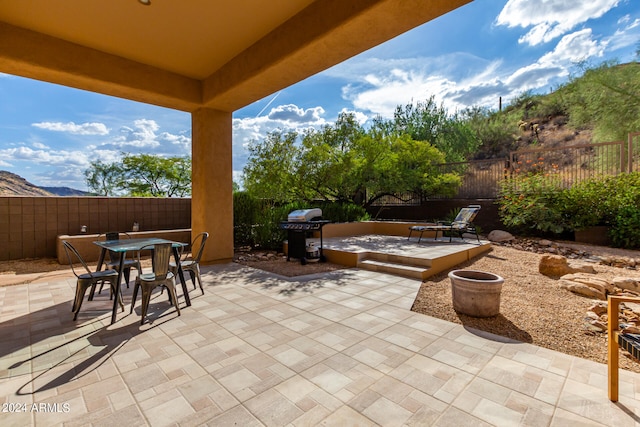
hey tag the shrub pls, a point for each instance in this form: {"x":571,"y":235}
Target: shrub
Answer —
{"x":256,"y":221}
{"x":537,"y":202}
{"x":533,"y":202}
{"x":625,"y":229}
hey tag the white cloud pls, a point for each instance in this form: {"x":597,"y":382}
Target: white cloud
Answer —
{"x":46,"y":157}
{"x":144,"y":136}
{"x":39,"y":145}
{"x":291,"y":114}
{"x":287,"y":117}
{"x":483,"y":82}
{"x":71,"y":127}
{"x":550,"y":19}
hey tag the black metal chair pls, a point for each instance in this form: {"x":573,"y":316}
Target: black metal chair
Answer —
{"x":191,"y":260}
{"x":161,"y":276}
{"x":114,"y":259}
{"x":89,"y":279}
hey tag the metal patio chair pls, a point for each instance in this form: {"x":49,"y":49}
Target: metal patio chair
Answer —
{"x":89,"y":279}
{"x":114,"y":259}
{"x":191,"y":260}
{"x":160,"y":276}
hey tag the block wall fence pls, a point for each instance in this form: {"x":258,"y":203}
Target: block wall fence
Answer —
{"x":29,"y":225}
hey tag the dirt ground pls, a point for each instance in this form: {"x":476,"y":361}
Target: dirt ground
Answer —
{"x":533,"y":309}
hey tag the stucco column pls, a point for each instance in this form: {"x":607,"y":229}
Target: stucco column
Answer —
{"x":212,"y":183}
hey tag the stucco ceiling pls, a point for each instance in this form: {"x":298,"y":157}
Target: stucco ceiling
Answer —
{"x":188,"y":54}
{"x":193,"y":38}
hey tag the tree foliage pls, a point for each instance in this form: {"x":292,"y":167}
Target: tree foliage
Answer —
{"x":344,"y":162}
{"x":141,"y":175}
{"x":104,"y":179}
{"x":426,"y":121}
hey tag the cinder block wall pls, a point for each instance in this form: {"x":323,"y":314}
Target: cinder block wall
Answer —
{"x":29,"y":226}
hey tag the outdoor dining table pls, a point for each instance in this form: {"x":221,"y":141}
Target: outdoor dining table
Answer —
{"x":123,"y":246}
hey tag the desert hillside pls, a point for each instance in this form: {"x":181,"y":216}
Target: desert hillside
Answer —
{"x":14,"y":185}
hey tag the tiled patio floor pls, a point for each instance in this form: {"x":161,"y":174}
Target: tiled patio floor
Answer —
{"x":257,"y":349}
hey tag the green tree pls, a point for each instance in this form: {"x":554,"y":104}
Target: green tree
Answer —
{"x":104,"y":179}
{"x":150,"y":175}
{"x":344,"y":163}
{"x":426,"y":121}
{"x":270,"y":169}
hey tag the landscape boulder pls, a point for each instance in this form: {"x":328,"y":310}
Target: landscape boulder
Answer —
{"x":603,"y":286}
{"x":554,"y":265}
{"x":500,"y":236}
{"x":583,"y":286}
{"x":627,"y":283}
{"x":557,"y":265}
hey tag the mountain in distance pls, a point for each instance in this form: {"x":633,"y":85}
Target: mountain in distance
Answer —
{"x":14,"y":185}
{"x":65,"y":191}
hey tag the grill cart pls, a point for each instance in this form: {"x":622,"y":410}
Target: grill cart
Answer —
{"x":300,"y":223}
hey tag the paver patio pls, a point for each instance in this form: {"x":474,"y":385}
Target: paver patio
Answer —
{"x":341,"y":348}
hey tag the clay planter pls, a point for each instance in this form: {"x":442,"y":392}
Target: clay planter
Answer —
{"x":476,"y":293}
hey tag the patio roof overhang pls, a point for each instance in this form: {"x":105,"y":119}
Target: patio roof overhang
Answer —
{"x":205,"y":57}
{"x":192,"y":54}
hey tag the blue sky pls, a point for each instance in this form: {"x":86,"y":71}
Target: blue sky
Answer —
{"x":487,"y":49}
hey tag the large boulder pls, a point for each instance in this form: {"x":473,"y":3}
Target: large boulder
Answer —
{"x":558,"y":265}
{"x":500,"y":236}
{"x":554,"y":265}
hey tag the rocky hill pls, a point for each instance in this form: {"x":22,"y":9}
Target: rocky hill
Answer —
{"x":14,"y":185}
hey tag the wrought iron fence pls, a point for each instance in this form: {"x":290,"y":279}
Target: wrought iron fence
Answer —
{"x":481,"y":178}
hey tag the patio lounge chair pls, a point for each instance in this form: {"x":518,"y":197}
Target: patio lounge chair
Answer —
{"x":463,"y":223}
{"x":89,"y":279}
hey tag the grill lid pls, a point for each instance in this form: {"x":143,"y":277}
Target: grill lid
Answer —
{"x":303,"y":215}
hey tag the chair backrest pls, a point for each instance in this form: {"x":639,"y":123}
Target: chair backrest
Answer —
{"x":197,"y":246}
{"x":114,"y":235}
{"x":466,"y":215}
{"x":160,"y":259}
{"x":74,"y":258}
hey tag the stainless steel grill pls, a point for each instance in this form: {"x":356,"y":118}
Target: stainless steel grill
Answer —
{"x":299,"y":225}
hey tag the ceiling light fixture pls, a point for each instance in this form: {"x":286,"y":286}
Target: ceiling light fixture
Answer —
{"x":145,"y":2}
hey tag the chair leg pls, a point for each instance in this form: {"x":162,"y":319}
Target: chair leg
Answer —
{"x":192,"y":274}
{"x":136,"y":286}
{"x":197,"y":268}
{"x":112,"y":284}
{"x":127,"y":274}
{"x":172,"y":290}
{"x":146,"y":297}
{"x":81,"y":289}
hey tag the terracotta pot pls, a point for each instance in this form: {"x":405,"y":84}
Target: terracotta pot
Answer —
{"x":476,"y":293}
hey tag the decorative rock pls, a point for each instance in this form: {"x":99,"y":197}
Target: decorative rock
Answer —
{"x":554,"y":265}
{"x":544,"y":242}
{"x":599,"y":324}
{"x":581,"y":267}
{"x":582,"y":289}
{"x":500,"y":236}
{"x":626,"y":283}
{"x":599,"y":308}
{"x":587,"y":279}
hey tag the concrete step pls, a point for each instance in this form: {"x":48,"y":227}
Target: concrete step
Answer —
{"x":404,"y":270}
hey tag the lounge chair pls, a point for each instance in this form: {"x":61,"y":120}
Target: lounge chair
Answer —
{"x":463,"y":223}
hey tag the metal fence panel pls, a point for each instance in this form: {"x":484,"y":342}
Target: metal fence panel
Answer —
{"x":481,"y":178}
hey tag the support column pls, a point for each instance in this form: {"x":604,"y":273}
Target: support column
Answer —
{"x":212,"y":183}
